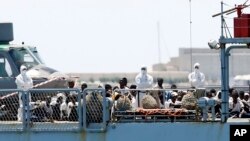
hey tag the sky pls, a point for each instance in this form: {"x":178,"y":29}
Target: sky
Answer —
{"x":112,"y":35}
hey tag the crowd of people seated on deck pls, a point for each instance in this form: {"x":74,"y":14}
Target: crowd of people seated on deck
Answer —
{"x":239,"y":103}
{"x":140,"y":94}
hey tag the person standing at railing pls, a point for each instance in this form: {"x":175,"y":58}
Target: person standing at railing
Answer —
{"x":23,"y":82}
{"x":124,"y":90}
{"x":196,"y":78}
{"x":157,"y":93}
{"x":84,"y":86}
{"x":143,"y":81}
{"x":125,"y":81}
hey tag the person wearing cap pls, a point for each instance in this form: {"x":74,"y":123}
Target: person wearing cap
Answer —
{"x":143,"y":81}
{"x":168,"y":94}
{"x":196,"y":78}
{"x":246,"y":102}
{"x":23,"y":82}
{"x":173,"y":101}
{"x":246,"y":98}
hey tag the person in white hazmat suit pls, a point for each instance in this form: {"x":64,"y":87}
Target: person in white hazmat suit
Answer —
{"x":23,"y":82}
{"x":196,"y":78}
{"x":143,"y":81}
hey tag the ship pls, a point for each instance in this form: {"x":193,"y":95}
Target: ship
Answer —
{"x":94,"y":118}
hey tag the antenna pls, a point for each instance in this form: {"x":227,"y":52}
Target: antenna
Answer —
{"x":159,"y":44}
{"x":190,"y":34}
{"x":237,"y":9}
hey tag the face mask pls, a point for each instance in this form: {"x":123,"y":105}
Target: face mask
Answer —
{"x":143,"y":72}
{"x":23,"y":72}
{"x":196,"y":70}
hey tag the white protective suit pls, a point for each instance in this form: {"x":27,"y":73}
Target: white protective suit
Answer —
{"x":24,"y":82}
{"x":196,"y":78}
{"x":143,"y":81}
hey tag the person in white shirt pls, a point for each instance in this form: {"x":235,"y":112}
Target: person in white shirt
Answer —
{"x":247,"y":99}
{"x":124,"y":90}
{"x":246,"y":102}
{"x":196,"y":78}
{"x":173,"y":101}
{"x":72,"y":108}
{"x":143,"y":81}
{"x":235,"y":105}
{"x":23,"y":82}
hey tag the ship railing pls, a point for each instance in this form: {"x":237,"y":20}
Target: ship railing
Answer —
{"x":65,"y":105}
{"x":27,"y":110}
{"x":9,"y":104}
{"x":68,"y":110}
{"x":135,"y":116}
{"x":90,"y":110}
{"x":161,"y":113}
{"x":237,"y":87}
{"x":96,"y":113}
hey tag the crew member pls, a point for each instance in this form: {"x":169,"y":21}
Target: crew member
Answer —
{"x":196,"y":78}
{"x":143,"y":81}
{"x":24,"y":82}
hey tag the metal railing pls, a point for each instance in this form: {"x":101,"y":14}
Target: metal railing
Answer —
{"x":71,"y":110}
{"x":147,"y":109}
{"x":9,"y":104}
{"x":95,"y":113}
{"x":40,"y":110}
{"x":54,"y":109}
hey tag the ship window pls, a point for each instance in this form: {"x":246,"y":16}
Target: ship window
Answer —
{"x":5,"y":69}
{"x":28,"y":58}
{"x":21,"y":56}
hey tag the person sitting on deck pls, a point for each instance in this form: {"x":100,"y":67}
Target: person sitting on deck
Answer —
{"x":212,"y":93}
{"x":59,"y":108}
{"x":173,"y":101}
{"x":133,"y":95}
{"x":247,"y":99}
{"x":43,"y":111}
{"x":246,"y":102}
{"x":241,"y":95}
{"x":72,"y":108}
{"x":235,"y":105}
{"x":217,"y":98}
{"x":168,"y":94}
